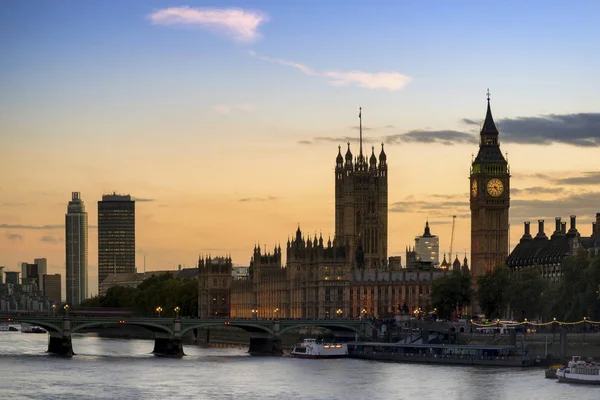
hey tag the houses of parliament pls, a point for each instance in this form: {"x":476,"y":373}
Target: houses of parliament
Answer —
{"x":351,"y":275}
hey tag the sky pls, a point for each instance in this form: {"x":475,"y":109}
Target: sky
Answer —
{"x":223,"y":119}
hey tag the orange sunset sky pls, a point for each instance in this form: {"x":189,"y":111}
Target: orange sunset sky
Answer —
{"x":228,"y":137}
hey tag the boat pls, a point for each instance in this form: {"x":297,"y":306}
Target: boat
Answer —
{"x":309,"y":348}
{"x":32,"y":329}
{"x":551,"y":371}
{"x":580,"y":371}
{"x":8,"y":328}
{"x":490,"y":355}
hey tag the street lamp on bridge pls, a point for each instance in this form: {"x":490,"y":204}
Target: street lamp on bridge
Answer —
{"x":255,"y":313}
{"x":159,"y":310}
{"x":275,"y":311}
{"x":66,"y":307}
{"x":177,"y":312}
{"x":339,"y":313}
{"x":54,"y":310}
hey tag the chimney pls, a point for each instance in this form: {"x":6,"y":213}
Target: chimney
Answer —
{"x":597,"y":222}
{"x":558,"y":228}
{"x":563,"y":228}
{"x":573,"y":228}
{"x":541,"y":235}
{"x":526,"y":234}
{"x":593,"y":228}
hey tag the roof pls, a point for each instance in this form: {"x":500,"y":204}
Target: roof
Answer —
{"x":187,"y":273}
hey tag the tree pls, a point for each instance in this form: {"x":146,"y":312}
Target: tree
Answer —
{"x":492,"y":291}
{"x":525,"y":293}
{"x":451,"y":292}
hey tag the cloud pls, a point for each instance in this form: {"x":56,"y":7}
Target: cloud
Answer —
{"x":51,"y":239}
{"x":268,"y":198}
{"x":444,"y":205}
{"x":141,"y":199}
{"x":393,"y":81}
{"x":221,"y":109}
{"x":537,"y":190}
{"x":446,"y":137}
{"x":12,"y":204}
{"x":14,"y":236}
{"x":37,"y":227}
{"x":225,"y":109}
{"x":240,"y":25}
{"x":304,"y":142}
{"x":11,"y":226}
{"x":581,"y":129}
{"x":585,"y":205}
{"x":588,"y":178}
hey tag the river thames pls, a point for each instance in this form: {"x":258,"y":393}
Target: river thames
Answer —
{"x":124,"y":369}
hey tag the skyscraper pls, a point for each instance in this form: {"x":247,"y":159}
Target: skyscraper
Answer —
{"x":32,"y":273}
{"x":76,"y":244}
{"x":116,"y":235}
{"x":490,"y":201}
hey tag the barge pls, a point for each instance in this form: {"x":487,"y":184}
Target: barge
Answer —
{"x":505,"y":356}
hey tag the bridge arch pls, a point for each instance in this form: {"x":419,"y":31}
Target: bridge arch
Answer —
{"x":246,"y":326}
{"x":148,"y":325}
{"x":49,"y":326}
{"x":332,"y":326}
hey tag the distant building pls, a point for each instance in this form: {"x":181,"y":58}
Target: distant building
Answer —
{"x":549,"y":253}
{"x":51,"y":287}
{"x":1,"y":275}
{"x":214,"y":286}
{"x":76,"y":245}
{"x":12,"y":277}
{"x":116,"y":236}
{"x":32,"y":273}
{"x":427,"y":247}
{"x":239,"y":273}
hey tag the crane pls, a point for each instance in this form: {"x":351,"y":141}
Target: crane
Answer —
{"x":452,"y":238}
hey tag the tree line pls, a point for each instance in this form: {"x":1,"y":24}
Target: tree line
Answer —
{"x":524,"y":294}
{"x":162,"y":291}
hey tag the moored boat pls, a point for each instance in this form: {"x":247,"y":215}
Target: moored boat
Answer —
{"x":32,"y":329}
{"x":309,"y":348}
{"x":551,"y":371}
{"x":580,"y":371}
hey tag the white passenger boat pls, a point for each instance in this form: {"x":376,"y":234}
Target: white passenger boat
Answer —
{"x":309,"y":348}
{"x":579,"y":371}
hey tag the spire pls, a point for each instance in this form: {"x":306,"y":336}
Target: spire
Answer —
{"x":339,"y":159}
{"x":489,"y":127}
{"x":427,"y":232}
{"x":360,"y":123}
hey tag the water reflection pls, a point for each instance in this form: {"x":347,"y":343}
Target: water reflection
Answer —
{"x":125,"y":369}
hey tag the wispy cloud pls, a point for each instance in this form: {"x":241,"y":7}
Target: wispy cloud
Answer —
{"x":14,"y":236}
{"x":588,"y":178}
{"x":225,"y":109}
{"x":37,"y":227}
{"x":51,"y":239}
{"x":268,"y":198}
{"x":371,"y":80}
{"x":142,"y":200}
{"x":14,"y":226}
{"x":240,"y":25}
{"x":221,"y":109}
{"x":535,"y":190}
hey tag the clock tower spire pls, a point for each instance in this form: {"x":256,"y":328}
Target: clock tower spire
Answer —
{"x":489,"y":201}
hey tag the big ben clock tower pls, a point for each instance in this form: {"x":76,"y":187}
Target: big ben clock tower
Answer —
{"x":489,"y":189}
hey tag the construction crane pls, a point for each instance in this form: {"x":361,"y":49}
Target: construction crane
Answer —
{"x":452,"y":238}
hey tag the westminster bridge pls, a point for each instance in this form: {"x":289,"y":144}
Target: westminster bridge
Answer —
{"x":265,"y":334}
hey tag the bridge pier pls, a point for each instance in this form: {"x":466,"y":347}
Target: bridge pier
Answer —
{"x":168,"y":347}
{"x":261,"y":346}
{"x":60,"y":344}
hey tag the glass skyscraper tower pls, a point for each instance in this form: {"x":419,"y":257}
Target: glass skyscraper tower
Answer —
{"x":76,"y":240}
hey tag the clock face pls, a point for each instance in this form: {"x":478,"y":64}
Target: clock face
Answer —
{"x":474,"y":188}
{"x":495,"y":187}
